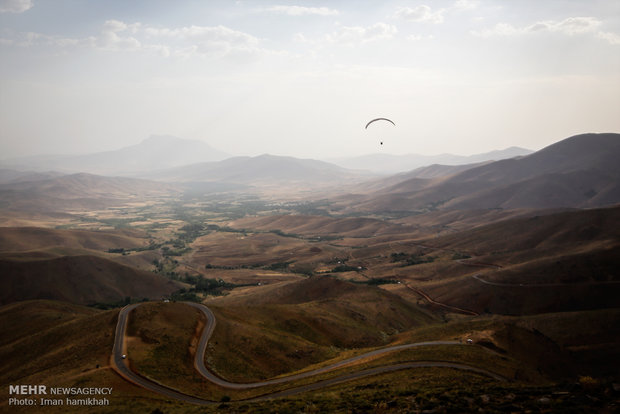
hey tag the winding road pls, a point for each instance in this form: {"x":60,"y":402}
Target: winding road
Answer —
{"x":121,"y":365}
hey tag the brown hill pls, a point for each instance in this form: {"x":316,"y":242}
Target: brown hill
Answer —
{"x":320,"y":225}
{"x":305,"y":321}
{"x":329,"y":310}
{"x":46,"y":335}
{"x":567,"y":229}
{"x":77,"y":191}
{"x":263,"y":169}
{"x":26,"y":318}
{"x":61,"y":345}
{"x":18,"y":239}
{"x":563,"y":283}
{"x":422,"y":176}
{"x":8,"y":175}
{"x":588,"y":188}
{"x":78,"y":279}
{"x":559,"y":262}
{"x":580,"y":171}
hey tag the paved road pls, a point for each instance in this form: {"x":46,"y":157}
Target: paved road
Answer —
{"x":376,"y":371}
{"x":121,"y":365}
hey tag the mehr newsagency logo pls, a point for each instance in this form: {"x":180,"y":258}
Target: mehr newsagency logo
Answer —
{"x":41,"y":395}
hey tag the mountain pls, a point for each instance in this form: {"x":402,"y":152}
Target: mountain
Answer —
{"x":28,"y":239}
{"x":580,"y":171}
{"x":155,"y":152}
{"x":78,"y":279}
{"x":261,"y":170}
{"x":390,"y":164}
{"x":555,"y":262}
{"x":12,"y":176}
{"x":76,"y":191}
{"x":433,"y":171}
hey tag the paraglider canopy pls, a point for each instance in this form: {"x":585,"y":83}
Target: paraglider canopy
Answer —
{"x":379,"y":119}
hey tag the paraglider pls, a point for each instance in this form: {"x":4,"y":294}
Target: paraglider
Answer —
{"x":379,"y":119}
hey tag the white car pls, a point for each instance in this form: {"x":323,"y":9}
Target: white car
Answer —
{"x":123,"y":356}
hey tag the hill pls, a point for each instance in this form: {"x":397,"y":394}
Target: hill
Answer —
{"x":318,"y":226}
{"x":390,"y":164}
{"x":423,"y":175}
{"x":267,"y":170}
{"x":580,"y":171}
{"x":306,"y":321}
{"x":78,"y":279}
{"x":77,"y":191}
{"x":538,"y":233}
{"x":558,"y":262}
{"x":61,"y":345}
{"x":21,"y":239}
{"x":11,"y":176}
{"x":155,"y":152}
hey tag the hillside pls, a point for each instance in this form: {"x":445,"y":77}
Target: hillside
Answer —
{"x":11,"y":176}
{"x":264,"y":169}
{"x":61,"y":345}
{"x":306,"y":321}
{"x":580,"y":171}
{"x":77,"y":191}
{"x":423,"y":176}
{"x":20,"y":239}
{"x":391,"y":164}
{"x":538,"y":233}
{"x":308,"y":225}
{"x":558,"y":262}
{"x":78,"y":279}
{"x":155,"y":152}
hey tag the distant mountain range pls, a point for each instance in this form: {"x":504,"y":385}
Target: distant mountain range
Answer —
{"x":391,"y":164}
{"x":154,"y":153}
{"x":578,"y":172}
{"x":263,"y":170}
{"x":581,"y":171}
{"x":163,"y":152}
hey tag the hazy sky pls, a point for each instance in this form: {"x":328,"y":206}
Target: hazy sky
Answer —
{"x":302,"y":78}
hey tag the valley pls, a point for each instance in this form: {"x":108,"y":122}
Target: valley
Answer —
{"x":506,"y":274}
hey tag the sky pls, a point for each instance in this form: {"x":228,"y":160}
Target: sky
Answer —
{"x":302,"y":78}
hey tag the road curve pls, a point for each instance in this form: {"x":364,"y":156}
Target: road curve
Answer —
{"x":121,"y":365}
{"x":376,"y":371}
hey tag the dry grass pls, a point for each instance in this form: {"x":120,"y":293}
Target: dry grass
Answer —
{"x":274,"y":331}
{"x":161,"y":344}
{"x":79,"y":279}
{"x":257,"y":249}
{"x":291,"y":323}
{"x":17,"y":239}
{"x":321,"y":226}
{"x":55,"y":347}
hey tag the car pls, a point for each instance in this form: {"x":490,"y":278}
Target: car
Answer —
{"x":123,"y":356}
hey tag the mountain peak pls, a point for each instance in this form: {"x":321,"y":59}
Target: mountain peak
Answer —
{"x":153,"y":153}
{"x":167,"y":139}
